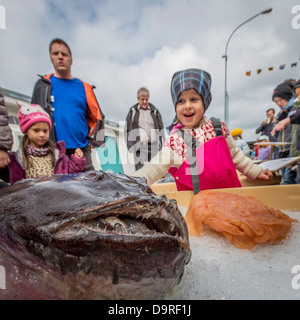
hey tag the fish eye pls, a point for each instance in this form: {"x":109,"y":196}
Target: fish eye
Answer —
{"x":94,"y":175}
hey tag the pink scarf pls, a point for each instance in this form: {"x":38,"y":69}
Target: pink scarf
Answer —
{"x":37,"y":152}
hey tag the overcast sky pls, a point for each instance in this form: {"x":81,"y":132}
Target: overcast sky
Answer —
{"x":121,"y":45}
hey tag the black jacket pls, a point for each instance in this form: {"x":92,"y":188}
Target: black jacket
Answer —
{"x":295,"y":118}
{"x":266,"y":130}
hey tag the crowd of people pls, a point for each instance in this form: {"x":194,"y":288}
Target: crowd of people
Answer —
{"x":283,"y":129}
{"x":64,"y":121}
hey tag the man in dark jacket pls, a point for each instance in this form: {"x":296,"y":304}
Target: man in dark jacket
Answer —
{"x":144,"y":129}
{"x":267,"y":125}
{"x":71,"y":103}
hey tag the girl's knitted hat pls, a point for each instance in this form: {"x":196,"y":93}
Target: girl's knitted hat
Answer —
{"x":30,"y":114}
{"x":196,"y":79}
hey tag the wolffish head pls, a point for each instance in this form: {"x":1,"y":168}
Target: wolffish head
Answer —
{"x":96,"y":222}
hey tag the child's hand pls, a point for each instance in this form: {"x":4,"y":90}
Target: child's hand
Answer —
{"x":78,"y":153}
{"x":265,"y":175}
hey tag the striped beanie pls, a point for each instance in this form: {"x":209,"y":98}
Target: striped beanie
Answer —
{"x":196,"y":79}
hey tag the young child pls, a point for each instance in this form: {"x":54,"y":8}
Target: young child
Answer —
{"x":264,"y":151}
{"x":37,"y":155}
{"x":217,"y":157}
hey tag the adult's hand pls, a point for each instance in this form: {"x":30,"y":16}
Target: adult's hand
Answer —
{"x":4,"y":159}
{"x":281,"y":125}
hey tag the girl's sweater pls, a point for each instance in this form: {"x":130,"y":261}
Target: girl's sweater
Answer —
{"x":63,"y":164}
{"x":174,"y":153}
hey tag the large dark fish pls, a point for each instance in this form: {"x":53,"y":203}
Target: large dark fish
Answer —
{"x":92,"y":235}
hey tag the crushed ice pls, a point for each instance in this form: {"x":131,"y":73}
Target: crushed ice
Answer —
{"x":218,"y":270}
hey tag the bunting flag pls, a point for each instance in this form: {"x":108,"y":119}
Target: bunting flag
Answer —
{"x":281,"y":67}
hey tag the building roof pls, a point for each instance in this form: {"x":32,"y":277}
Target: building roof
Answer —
{"x":16,"y":95}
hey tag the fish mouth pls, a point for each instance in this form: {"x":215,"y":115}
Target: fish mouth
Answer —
{"x":138,"y":223}
{"x":119,"y":225}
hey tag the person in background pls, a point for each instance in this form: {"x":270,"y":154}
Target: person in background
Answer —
{"x":38,"y":156}
{"x":239,"y":142}
{"x":264,"y":151}
{"x":144,"y":129}
{"x":6,"y":138}
{"x":283,"y":97}
{"x":71,"y":103}
{"x":293,"y":118}
{"x":267,"y":125}
{"x":217,"y":156}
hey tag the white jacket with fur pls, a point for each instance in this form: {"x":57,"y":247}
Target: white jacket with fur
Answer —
{"x":174,"y":152}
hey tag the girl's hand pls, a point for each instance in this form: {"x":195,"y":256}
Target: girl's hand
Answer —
{"x":265,"y":175}
{"x":78,"y":153}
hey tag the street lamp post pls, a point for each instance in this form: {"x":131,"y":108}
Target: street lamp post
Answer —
{"x":226,"y":111}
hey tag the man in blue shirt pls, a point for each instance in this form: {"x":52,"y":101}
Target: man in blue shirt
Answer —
{"x":71,"y":103}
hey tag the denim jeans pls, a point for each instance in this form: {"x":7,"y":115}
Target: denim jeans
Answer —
{"x":288,"y":176}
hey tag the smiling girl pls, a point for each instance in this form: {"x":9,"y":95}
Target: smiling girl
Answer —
{"x":38,"y":156}
{"x":195,"y":135}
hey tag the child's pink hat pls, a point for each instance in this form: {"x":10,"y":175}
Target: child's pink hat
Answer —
{"x":30,"y":114}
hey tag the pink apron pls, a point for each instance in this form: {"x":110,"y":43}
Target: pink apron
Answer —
{"x":215,"y":168}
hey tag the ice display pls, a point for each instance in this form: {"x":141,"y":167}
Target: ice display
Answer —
{"x":218,"y":270}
